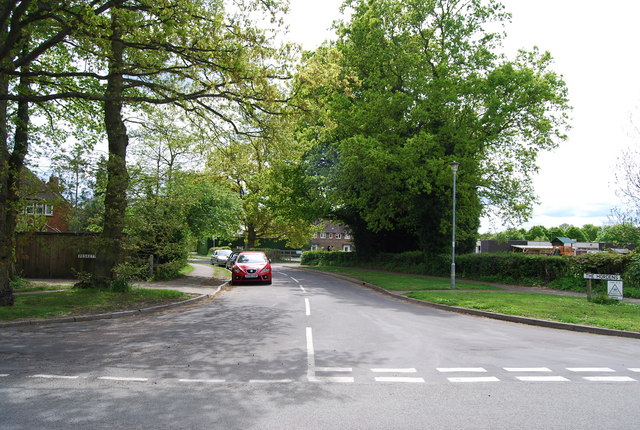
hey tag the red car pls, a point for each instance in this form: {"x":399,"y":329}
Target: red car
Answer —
{"x":251,"y":266}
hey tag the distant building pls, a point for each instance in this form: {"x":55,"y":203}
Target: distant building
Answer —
{"x":558,"y":246}
{"x":44,"y":207}
{"x":332,"y":237}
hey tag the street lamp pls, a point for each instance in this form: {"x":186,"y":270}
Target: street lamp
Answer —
{"x":454,"y":167}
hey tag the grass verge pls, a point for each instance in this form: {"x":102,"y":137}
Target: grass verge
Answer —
{"x":85,"y":302}
{"x":574,"y":310}
{"x":402,"y":282}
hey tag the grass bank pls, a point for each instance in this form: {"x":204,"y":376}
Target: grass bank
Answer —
{"x":574,"y":310}
{"x":402,"y":282}
{"x":84,"y":302}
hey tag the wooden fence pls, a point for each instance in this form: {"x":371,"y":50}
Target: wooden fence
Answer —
{"x":55,"y":255}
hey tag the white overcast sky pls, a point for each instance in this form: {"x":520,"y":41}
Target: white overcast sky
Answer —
{"x":596,"y":47}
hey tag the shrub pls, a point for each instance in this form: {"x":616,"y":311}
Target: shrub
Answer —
{"x":328,"y":258}
{"x":512,"y":268}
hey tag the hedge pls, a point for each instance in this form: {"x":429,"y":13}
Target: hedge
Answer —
{"x":507,"y":267}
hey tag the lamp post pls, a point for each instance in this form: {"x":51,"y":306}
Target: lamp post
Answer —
{"x":454,"y":167}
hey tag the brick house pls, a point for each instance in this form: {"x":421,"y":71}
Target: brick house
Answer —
{"x":332,"y":237}
{"x":45,"y":209}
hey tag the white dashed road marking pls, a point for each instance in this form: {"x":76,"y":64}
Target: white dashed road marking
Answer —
{"x":527,"y":369}
{"x":54,"y":377}
{"x":461,"y":369}
{"x":475,"y":379}
{"x":205,"y":381}
{"x":122,"y":379}
{"x":334,"y":369}
{"x":609,"y":379}
{"x":270,"y":381}
{"x":307,"y":307}
{"x":590,"y":369}
{"x":542,"y":378}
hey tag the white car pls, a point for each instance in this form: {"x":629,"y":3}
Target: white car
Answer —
{"x":219,"y":257}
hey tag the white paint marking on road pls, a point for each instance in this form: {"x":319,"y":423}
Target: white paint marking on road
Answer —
{"x":3,"y":375}
{"x":54,"y":377}
{"x":302,"y":288}
{"x":461,"y":369}
{"x":398,"y":379}
{"x":205,"y":381}
{"x":295,"y":280}
{"x":635,"y":369}
{"x":388,"y":370}
{"x":527,"y":369}
{"x":589,"y":369}
{"x":334,"y":369}
{"x":542,"y":378}
{"x":311,"y":357}
{"x":609,"y":379}
{"x":307,"y":307}
{"x":122,"y":379}
{"x":341,"y":379}
{"x":270,"y":381}
{"x":475,"y":379}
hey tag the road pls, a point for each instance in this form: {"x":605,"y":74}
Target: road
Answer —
{"x":308,"y":352}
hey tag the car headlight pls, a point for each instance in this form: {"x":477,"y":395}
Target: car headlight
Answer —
{"x":265,"y":270}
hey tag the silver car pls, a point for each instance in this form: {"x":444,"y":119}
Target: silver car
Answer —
{"x":219,"y":257}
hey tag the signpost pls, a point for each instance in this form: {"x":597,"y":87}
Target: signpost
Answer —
{"x":614,"y":284}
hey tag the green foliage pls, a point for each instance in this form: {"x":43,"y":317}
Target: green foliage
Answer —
{"x":328,"y":258}
{"x":512,"y":268}
{"x":418,"y":87}
{"x":599,"y":262}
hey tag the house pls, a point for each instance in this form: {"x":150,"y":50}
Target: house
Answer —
{"x":332,"y":237}
{"x":45,"y":209}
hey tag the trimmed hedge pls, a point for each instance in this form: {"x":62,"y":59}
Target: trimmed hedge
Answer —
{"x":507,"y":267}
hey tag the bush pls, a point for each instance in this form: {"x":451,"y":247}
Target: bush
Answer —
{"x":328,"y":258}
{"x":514,"y":268}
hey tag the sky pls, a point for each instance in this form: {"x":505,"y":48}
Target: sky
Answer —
{"x":595,"y":46}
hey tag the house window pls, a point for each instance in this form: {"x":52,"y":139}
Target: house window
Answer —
{"x":48,"y":210}
{"x":29,"y":210}
{"x":330,"y":235}
{"x":39,"y":209}
{"x":338,"y":236}
{"x":314,"y":247}
{"x":346,"y":248}
{"x":347,"y":236}
{"x":323,"y":235}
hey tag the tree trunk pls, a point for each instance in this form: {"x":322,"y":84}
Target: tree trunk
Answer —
{"x":11,"y":163}
{"x":251,"y":236}
{"x":111,"y":249}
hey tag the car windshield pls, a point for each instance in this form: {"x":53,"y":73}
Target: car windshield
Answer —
{"x":252,"y":258}
{"x":224,"y":252}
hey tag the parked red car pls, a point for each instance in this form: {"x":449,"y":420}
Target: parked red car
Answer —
{"x":251,"y":266}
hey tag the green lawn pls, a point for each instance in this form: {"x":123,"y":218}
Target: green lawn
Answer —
{"x":83,"y":302}
{"x":575,"y":310}
{"x":401,"y":282}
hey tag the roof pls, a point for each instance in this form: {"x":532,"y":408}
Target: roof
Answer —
{"x":565,"y":240}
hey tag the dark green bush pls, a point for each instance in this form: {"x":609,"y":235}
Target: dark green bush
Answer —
{"x":509,"y":267}
{"x":328,"y":258}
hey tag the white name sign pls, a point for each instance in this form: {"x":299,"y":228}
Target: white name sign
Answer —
{"x":602,"y":276}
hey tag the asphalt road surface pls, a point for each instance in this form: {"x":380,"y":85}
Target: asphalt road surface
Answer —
{"x":314,"y":352}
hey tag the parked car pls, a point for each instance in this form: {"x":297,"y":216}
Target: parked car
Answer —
{"x":231,"y":260}
{"x":219,"y":257}
{"x":251,"y":266}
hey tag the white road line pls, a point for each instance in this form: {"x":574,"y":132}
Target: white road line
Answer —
{"x":270,"y":381}
{"x":341,"y":379}
{"x":590,"y":369}
{"x":398,"y":379}
{"x":461,"y":369}
{"x":54,"y":377}
{"x":634,"y":369}
{"x":3,"y":375}
{"x":303,"y":290}
{"x":609,"y":379}
{"x":388,"y":370}
{"x":334,"y":369}
{"x":542,"y":378}
{"x":527,"y":369}
{"x":295,"y":280}
{"x":123,"y":379}
{"x":311,"y":357}
{"x":206,"y":381}
{"x":475,"y":379}
{"x":307,"y":307}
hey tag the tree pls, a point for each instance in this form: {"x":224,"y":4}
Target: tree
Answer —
{"x":623,"y":233}
{"x":537,"y":233}
{"x":576,"y":234}
{"x":591,"y":232}
{"x":426,"y":86}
